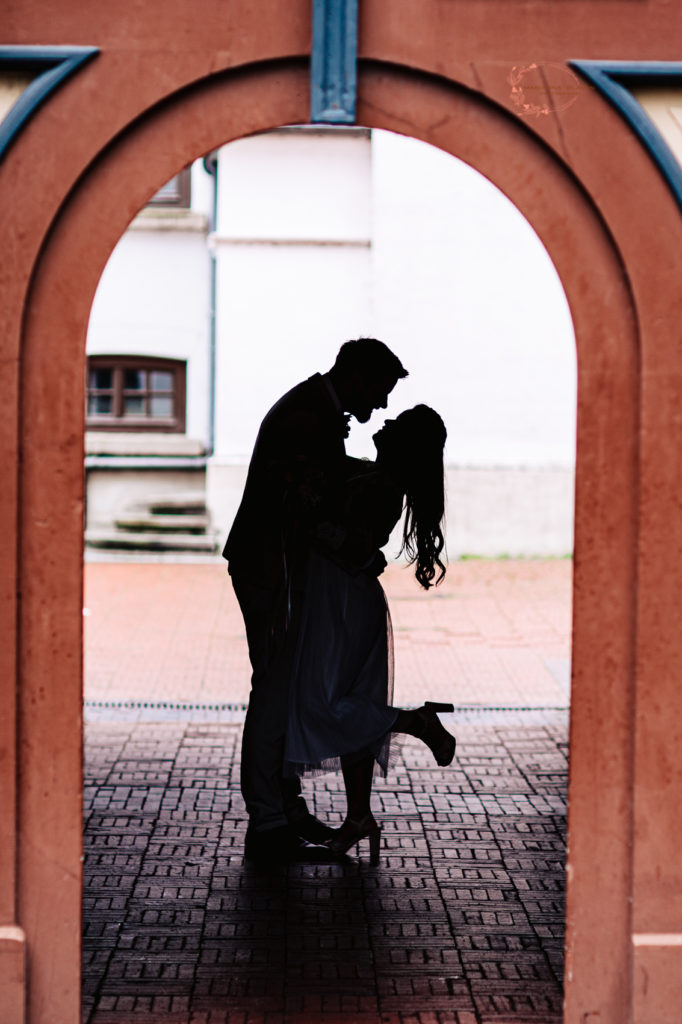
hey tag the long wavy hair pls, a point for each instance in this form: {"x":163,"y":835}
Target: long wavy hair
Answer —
{"x":422,"y":439}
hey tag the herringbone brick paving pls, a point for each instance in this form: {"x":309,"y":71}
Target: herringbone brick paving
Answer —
{"x":460,"y":923}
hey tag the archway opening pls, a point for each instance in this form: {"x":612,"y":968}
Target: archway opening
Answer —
{"x":230,"y":106}
{"x":504,"y":356}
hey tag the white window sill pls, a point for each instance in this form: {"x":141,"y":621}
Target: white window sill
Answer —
{"x":169,"y":219}
{"x":102,"y":442}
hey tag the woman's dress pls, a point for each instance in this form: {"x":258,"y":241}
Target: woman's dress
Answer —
{"x":342,"y":680}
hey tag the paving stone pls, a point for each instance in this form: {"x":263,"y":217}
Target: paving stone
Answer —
{"x":460,"y":923}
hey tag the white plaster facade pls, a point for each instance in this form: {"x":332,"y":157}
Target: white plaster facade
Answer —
{"x":322,"y":235}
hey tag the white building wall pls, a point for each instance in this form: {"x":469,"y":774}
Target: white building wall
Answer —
{"x":292,"y":246}
{"x":153,"y":299}
{"x":294,"y":279}
{"x":327,"y":235}
{"x":324,"y":237}
{"x":466,"y":294}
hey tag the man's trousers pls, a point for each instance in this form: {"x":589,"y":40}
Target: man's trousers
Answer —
{"x":271,"y":800}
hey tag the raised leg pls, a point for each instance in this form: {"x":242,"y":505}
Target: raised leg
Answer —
{"x":424,"y":723}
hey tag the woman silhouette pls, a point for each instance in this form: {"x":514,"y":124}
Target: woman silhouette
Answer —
{"x":340,"y":713}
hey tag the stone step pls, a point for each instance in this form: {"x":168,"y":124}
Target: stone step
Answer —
{"x":149,"y":541}
{"x":172,"y":504}
{"x":178,"y":523}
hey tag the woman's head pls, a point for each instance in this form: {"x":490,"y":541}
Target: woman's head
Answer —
{"x":411,"y":448}
{"x":414,"y":433}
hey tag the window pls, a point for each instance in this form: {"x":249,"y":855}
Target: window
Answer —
{"x":135,"y":393}
{"x":176,"y":192}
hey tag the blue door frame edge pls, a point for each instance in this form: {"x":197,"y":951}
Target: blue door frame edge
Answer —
{"x":613,"y":79}
{"x":333,"y":62}
{"x":52,"y":65}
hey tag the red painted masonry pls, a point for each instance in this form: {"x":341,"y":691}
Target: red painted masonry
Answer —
{"x":174,"y":80}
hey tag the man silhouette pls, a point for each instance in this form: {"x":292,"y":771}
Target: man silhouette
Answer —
{"x":297,"y":466}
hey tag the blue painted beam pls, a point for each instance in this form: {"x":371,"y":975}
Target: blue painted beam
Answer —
{"x":333,"y":64}
{"x":51,"y":66}
{"x":614,"y":79}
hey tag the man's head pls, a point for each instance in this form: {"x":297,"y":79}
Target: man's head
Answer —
{"x":364,"y":374}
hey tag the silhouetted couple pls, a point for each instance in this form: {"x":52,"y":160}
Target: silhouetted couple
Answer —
{"x":304,"y":555}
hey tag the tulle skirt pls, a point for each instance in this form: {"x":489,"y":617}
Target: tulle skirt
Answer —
{"x":342,"y":681}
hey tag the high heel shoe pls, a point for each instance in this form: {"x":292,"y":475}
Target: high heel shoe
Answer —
{"x":352,"y":832}
{"x":441,"y":743}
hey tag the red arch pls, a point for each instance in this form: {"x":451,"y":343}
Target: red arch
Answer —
{"x":141,"y":159}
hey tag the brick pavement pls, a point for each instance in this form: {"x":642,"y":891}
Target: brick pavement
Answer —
{"x":460,"y":923}
{"x":494,"y":633}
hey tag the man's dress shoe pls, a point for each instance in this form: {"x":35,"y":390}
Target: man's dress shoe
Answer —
{"x":278,"y":845}
{"x":312,"y":829}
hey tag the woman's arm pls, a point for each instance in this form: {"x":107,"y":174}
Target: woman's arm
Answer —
{"x":372,"y":505}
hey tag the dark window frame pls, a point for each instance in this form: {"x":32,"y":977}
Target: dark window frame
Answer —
{"x":118,"y":364}
{"x":177,"y":192}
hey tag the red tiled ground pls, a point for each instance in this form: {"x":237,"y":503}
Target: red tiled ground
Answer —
{"x":494,"y":633}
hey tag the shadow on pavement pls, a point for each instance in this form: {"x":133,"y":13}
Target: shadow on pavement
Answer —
{"x":461,"y":921}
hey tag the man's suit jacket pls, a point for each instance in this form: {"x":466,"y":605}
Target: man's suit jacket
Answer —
{"x":297,"y":466}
